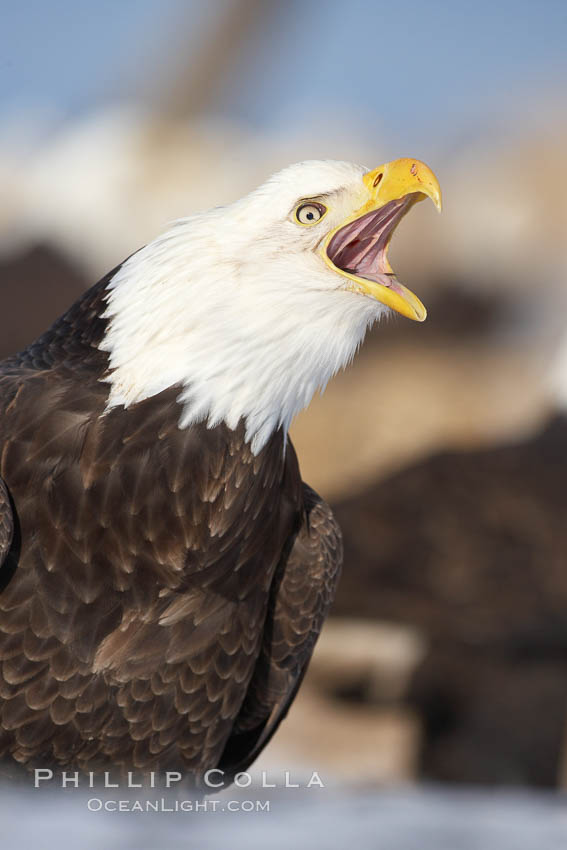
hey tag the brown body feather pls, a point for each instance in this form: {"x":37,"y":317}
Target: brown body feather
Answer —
{"x":165,"y":587}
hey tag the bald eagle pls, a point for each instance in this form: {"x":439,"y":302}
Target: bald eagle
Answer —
{"x":165,"y":571}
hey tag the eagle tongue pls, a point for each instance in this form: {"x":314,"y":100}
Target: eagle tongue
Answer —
{"x":385,"y":279}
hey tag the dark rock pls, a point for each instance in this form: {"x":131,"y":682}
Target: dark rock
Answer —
{"x":471,"y":548}
{"x":36,"y":287}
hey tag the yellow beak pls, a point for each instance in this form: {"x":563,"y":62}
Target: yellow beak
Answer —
{"x":390,"y":182}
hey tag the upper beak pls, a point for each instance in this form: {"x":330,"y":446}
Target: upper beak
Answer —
{"x":402,"y":177}
{"x":389,"y":183}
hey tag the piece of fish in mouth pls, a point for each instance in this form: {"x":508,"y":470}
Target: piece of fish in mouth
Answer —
{"x":359,"y":247}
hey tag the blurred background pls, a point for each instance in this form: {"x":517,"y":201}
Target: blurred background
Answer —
{"x":443,"y":448}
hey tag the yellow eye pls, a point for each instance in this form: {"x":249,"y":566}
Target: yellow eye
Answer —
{"x":310,"y":213}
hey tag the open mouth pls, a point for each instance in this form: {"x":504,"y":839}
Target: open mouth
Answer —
{"x":360,"y":248}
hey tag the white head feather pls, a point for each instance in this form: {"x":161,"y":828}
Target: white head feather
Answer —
{"x":237,"y":307}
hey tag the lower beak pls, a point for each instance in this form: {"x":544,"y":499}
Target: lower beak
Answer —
{"x":358,"y":249}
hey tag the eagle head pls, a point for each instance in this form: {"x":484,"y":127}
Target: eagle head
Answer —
{"x":250,"y":308}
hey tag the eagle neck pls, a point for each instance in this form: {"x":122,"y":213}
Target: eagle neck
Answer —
{"x":242,"y":346}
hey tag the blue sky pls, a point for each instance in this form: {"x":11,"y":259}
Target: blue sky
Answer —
{"x":64,"y":54}
{"x":440,"y":66}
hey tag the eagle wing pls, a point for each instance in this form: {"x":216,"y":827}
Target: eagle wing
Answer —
{"x":6,"y":523}
{"x":302,"y":592}
{"x":132,"y":625}
{"x":160,"y":581}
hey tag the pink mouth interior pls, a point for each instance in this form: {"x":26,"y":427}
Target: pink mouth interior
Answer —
{"x":360,"y":247}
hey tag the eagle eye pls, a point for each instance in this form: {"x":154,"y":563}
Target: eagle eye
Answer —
{"x":310,"y":212}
